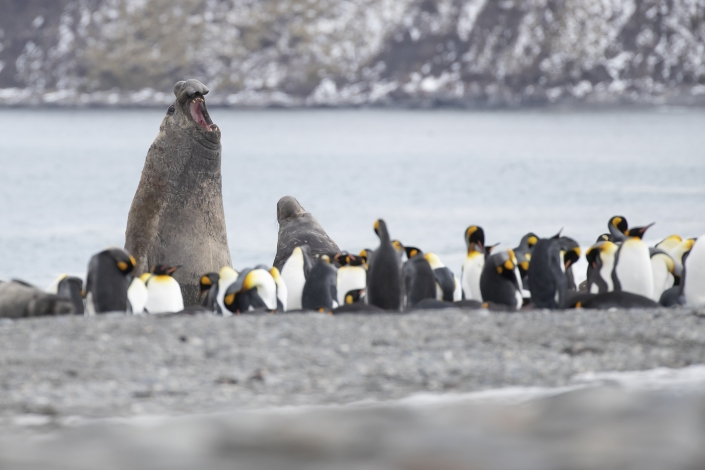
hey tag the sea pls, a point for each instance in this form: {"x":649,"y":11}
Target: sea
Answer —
{"x":67,"y":177}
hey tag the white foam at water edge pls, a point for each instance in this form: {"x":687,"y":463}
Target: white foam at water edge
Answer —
{"x":689,"y":379}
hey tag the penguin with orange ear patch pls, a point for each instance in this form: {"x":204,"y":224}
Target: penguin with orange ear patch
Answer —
{"x":548,"y":278}
{"x":107,"y":283}
{"x":499,"y":282}
{"x":384,"y":288}
{"x":163,"y":292}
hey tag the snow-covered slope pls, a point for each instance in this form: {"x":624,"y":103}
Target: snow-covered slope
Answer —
{"x":350,"y":52}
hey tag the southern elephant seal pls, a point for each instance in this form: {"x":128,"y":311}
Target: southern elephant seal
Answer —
{"x":177,"y":214}
{"x":19,"y":300}
{"x":298,"y":227}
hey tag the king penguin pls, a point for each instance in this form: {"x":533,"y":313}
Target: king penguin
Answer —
{"x":678,"y":253}
{"x":71,"y":288}
{"x":320,"y":292}
{"x":295,"y":272}
{"x":163,"y":291}
{"x":669,"y":243}
{"x":255,"y":289}
{"x":600,"y":258}
{"x":448,"y":288}
{"x":352,"y":276}
{"x":617,"y":227}
{"x":137,"y":295}
{"x":208,"y":291}
{"x":694,"y":275}
{"x":499,"y":282}
{"x":548,"y":282}
{"x":571,"y":256}
{"x":384,"y":288}
{"x":106,"y":282}
{"x":632,"y":265}
{"x":419,"y":279}
{"x":282,"y":290}
{"x":523,"y":255}
{"x":474,"y":262}
{"x":226,"y":277}
{"x":662,"y":268}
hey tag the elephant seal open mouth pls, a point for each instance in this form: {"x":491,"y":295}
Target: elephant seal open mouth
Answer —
{"x":177,"y":214}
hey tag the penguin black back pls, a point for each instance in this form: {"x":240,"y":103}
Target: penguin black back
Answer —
{"x":384,"y":287}
{"x":320,"y":290}
{"x":419,"y":278}
{"x":547,"y":281}
{"x":499,"y":282}
{"x":71,"y":288}
{"x":106,"y":282}
{"x":209,"y":290}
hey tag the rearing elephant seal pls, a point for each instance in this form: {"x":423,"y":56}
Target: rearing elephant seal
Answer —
{"x":177,"y":215}
{"x":298,"y":227}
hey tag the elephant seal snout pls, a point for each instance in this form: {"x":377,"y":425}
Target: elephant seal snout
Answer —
{"x":177,"y":214}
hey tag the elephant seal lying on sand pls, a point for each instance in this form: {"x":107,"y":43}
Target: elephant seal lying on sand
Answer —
{"x":177,"y":215}
{"x":19,"y":300}
{"x":298,"y":227}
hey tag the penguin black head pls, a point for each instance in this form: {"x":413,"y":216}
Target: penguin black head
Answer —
{"x":638,"y":232}
{"x":353,"y":260}
{"x":207,"y":281}
{"x":412,"y":251}
{"x":381,"y":230}
{"x":531,"y":239}
{"x":605,"y":237}
{"x":398,"y":246}
{"x":353,"y":296}
{"x":505,"y":262}
{"x":161,"y":270}
{"x":618,"y":223}
{"x":475,"y":237}
{"x":571,"y":249}
{"x":124,"y":261}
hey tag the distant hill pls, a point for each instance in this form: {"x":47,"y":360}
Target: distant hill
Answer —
{"x":480,"y":53}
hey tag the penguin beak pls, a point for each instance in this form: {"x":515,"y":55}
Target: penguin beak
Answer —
{"x":638,"y":231}
{"x":172,"y":270}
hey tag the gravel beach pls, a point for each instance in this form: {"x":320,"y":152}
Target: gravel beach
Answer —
{"x":183,"y":392}
{"x":116,"y":365}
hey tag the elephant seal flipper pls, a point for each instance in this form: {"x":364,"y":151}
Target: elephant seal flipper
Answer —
{"x":298,"y":227}
{"x":177,"y":216}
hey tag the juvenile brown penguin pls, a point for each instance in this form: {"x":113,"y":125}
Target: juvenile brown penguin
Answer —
{"x":298,"y":227}
{"x":177,"y":214}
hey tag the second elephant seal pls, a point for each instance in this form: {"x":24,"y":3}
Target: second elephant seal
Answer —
{"x":298,"y":227}
{"x":177,"y":214}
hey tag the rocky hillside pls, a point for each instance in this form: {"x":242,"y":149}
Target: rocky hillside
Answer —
{"x":354,"y":52}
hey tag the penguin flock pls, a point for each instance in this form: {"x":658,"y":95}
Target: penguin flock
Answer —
{"x":622,"y":272}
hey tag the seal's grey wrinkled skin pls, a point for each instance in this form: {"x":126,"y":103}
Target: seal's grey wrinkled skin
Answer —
{"x":177,"y":215}
{"x":19,"y":300}
{"x":298,"y":227}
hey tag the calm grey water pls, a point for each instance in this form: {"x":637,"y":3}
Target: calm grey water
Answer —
{"x":67,"y":177}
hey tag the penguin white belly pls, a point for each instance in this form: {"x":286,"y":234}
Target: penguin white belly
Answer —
{"x":137,"y":295}
{"x":606,"y":272}
{"x":457,"y":290}
{"x":293,"y":275}
{"x":694,"y":287}
{"x":663,"y":279}
{"x":350,"y":278}
{"x":470,"y":278}
{"x":227,"y":276}
{"x":164,"y":295}
{"x":267,"y":291}
{"x":634,"y":268}
{"x":90,"y":306}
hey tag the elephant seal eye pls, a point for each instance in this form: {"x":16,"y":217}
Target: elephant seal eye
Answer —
{"x":171,"y":110}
